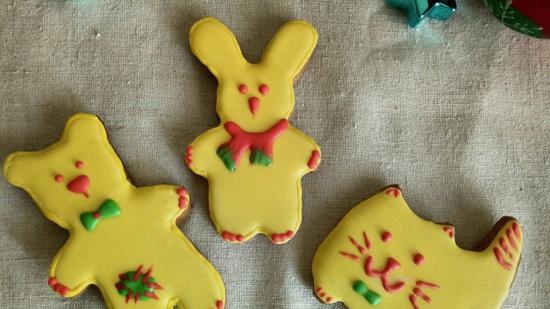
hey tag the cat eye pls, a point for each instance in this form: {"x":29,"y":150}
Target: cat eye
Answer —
{"x":243,"y":88}
{"x":264,"y":89}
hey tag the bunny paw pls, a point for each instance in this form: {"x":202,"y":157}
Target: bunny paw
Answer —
{"x":282,"y":237}
{"x":183,"y":201}
{"x":235,"y":238}
{"x":314,"y":160}
{"x":189,"y":155}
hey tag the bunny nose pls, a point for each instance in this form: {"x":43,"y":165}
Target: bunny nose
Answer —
{"x":80,"y":185}
{"x":253,"y":104}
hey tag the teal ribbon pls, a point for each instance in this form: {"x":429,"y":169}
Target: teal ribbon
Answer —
{"x":361,"y":288}
{"x":108,"y":209}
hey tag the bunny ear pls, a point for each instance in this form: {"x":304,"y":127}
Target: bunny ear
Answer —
{"x":290,"y":48}
{"x":215,"y":46}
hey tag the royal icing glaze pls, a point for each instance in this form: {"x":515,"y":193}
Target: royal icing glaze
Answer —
{"x":122,"y":238}
{"x":254,"y":160}
{"x":417,"y":265}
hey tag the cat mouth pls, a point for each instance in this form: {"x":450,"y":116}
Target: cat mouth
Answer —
{"x":383,"y":274}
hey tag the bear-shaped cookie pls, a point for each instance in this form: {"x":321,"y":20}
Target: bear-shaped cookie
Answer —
{"x":382,"y":255}
{"x":254,"y":160}
{"x":122,"y":238}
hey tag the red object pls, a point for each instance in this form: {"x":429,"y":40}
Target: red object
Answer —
{"x":536,"y":10}
{"x":253,"y":104}
{"x":79,"y":185}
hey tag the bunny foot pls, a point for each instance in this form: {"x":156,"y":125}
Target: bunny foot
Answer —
{"x":282,"y":237}
{"x":230,"y":237}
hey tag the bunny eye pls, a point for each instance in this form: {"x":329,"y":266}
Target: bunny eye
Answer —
{"x":79,"y":164}
{"x":264,"y":89}
{"x":243,"y":88}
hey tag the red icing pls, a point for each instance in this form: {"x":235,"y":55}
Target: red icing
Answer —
{"x":350,"y":256}
{"x":79,"y":164}
{"x":219,"y":304}
{"x":58,"y":178}
{"x":360,"y":248}
{"x":96,"y":215}
{"x":391,"y":264}
{"x":241,"y":141}
{"x":58,"y":287}
{"x":182,"y":199}
{"x":282,"y":237}
{"x":264,"y":89}
{"x":386,"y":236}
{"x":79,"y":185}
{"x":253,"y":105}
{"x":515,"y":227}
{"x":313,"y":161}
{"x":511,"y":238}
{"x":500,"y":259}
{"x":188,"y":155}
{"x":504,"y":246}
{"x":418,"y":292}
{"x":430,"y":285}
{"x":413,"y":301}
{"x":419,"y":259}
{"x":243,"y":88}
{"x":228,"y":236}
{"x":450,"y":230}
{"x":393,"y":191}
{"x":366,"y":239}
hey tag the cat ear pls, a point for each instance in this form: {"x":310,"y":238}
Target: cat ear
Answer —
{"x":290,"y":48}
{"x":216,"y":47}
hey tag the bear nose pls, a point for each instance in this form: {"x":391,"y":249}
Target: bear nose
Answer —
{"x":79,"y":185}
{"x":253,"y":104}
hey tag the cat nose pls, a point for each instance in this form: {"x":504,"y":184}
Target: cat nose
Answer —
{"x":79,"y":185}
{"x":253,"y":104}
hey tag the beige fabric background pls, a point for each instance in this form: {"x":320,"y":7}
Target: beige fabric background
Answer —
{"x":457,"y":113}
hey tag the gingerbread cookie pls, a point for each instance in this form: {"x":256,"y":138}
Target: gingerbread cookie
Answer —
{"x":383,"y":255}
{"x":122,"y":238}
{"x":254,"y":160}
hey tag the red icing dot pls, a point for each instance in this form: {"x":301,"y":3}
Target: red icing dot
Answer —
{"x":96,"y":215}
{"x":243,"y":88}
{"x":264,"y":89}
{"x":58,"y":178}
{"x":386,"y":236}
{"x":418,"y":259}
{"x":79,"y":164}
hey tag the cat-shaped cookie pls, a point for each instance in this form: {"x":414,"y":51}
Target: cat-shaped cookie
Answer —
{"x":123,"y":239}
{"x":254,"y":159}
{"x":382,"y":255}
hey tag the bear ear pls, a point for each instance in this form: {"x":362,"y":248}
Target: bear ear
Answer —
{"x":84,"y":127}
{"x":290,"y":48}
{"x":14,"y":167}
{"x":216,"y":47}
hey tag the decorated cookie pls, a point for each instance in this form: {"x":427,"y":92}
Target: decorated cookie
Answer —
{"x":254,"y":160}
{"x":382,"y":255}
{"x":122,"y":238}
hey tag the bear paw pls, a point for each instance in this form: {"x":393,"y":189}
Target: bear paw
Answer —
{"x":59,"y":288}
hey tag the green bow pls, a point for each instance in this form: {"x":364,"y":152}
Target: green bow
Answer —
{"x":361,"y":288}
{"x":108,"y":209}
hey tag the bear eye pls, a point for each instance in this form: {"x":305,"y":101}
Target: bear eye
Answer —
{"x":58,"y":178}
{"x":264,"y":89}
{"x":243,"y":88}
{"x":79,"y":164}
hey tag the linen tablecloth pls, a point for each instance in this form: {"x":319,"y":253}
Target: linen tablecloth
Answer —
{"x":455,"y":112}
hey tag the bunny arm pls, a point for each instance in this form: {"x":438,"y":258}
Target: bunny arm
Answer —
{"x":168,"y":201}
{"x":201,"y":154}
{"x":69,"y":272}
{"x":307,"y":153}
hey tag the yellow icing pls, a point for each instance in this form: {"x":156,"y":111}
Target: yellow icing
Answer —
{"x":145,"y":232}
{"x":466,"y":279}
{"x":254,"y":199}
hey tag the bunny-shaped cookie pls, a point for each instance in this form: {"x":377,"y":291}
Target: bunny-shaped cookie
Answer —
{"x":254,"y":159}
{"x":123,"y":239}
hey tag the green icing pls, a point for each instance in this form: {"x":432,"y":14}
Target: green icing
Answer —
{"x":135,"y":286}
{"x":260,"y":158}
{"x":372,"y":297}
{"x":108,"y":209}
{"x":227,"y":158}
